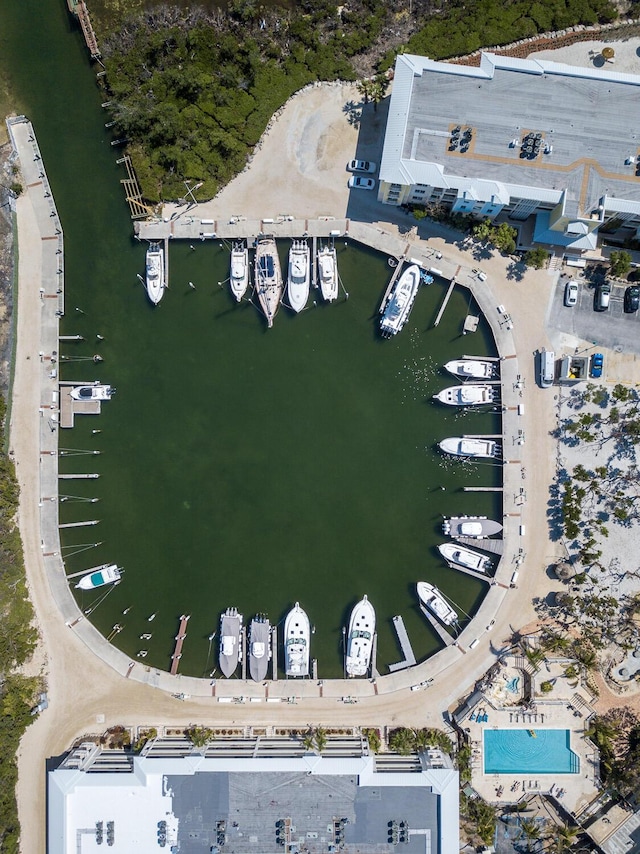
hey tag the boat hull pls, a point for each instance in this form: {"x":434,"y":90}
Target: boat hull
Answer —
{"x":466,"y":395}
{"x":435,"y":603}
{"x":259,"y":648}
{"x":476,"y":527}
{"x":230,"y":646}
{"x":239,"y":272}
{"x":298,"y":280}
{"x":478,"y":369}
{"x":473,"y":448}
{"x":154,"y":279}
{"x":297,"y":638}
{"x":108,"y":574}
{"x":400,"y":302}
{"x":362,"y":626}
{"x":328,"y":273}
{"x":92,"y":392}
{"x":460,"y":556}
{"x":268,"y":278}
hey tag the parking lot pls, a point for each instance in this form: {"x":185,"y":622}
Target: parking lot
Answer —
{"x":611,"y":329}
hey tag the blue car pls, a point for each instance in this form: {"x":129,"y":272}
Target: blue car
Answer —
{"x":597,"y":363}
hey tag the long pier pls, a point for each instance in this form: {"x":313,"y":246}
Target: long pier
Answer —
{"x":395,"y":275}
{"x":88,"y":571}
{"x":442,"y":633}
{"x":409,"y":658}
{"x":78,"y":476}
{"x":480,"y":576}
{"x":79,"y":524}
{"x":274,"y":653}
{"x":482,"y":488}
{"x":445,"y":301}
{"x":180,"y":639}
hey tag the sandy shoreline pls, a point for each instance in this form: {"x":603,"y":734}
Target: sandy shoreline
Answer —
{"x":88,"y":696}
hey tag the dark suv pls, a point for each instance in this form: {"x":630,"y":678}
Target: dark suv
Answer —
{"x":632,"y":299}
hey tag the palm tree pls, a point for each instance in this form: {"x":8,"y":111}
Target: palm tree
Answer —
{"x":321,"y":739}
{"x":564,"y":835}
{"x":309,"y":742}
{"x":531,"y":831}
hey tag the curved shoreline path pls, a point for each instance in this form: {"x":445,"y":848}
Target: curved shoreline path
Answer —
{"x":86,"y":695}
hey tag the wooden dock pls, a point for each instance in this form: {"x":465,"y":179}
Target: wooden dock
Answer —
{"x":391,"y":284}
{"x":374,"y":654}
{"x":442,"y":633}
{"x":445,"y":301}
{"x":274,"y":653}
{"x":180,"y":639}
{"x":409,"y":658}
{"x":243,"y":653}
{"x":482,"y":488}
{"x":314,"y":262}
{"x":480,"y":576}
{"x":485,"y":544}
{"x":79,"y":9}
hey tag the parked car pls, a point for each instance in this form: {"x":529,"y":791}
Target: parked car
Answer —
{"x":571,"y":293}
{"x":597,"y":364}
{"x":603,"y":293}
{"x":357,"y":182}
{"x":632,"y":298}
{"x":361,"y":166}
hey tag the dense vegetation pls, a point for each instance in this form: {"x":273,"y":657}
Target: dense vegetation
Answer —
{"x":193,"y":91}
{"x":17,"y":642}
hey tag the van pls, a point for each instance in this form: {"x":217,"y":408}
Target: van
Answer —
{"x":547,"y":368}
{"x":602,"y":297}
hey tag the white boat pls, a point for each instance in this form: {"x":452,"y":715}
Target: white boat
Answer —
{"x":464,"y":557}
{"x":297,"y":637}
{"x":362,"y":626}
{"x":299,"y":276}
{"x":108,"y":573}
{"x":477,"y":527}
{"x":95,"y":391}
{"x":154,"y":281}
{"x":239,"y":270}
{"x":268,"y":278}
{"x":458,"y":446}
{"x":467,"y":395}
{"x":259,"y":647}
{"x":478,"y":369}
{"x":395,"y":312}
{"x":328,"y":273}
{"x":230,"y":646}
{"x":434,"y":601}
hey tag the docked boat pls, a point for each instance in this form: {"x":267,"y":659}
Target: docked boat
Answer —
{"x":362,"y":626}
{"x":108,"y":573}
{"x":328,"y":273}
{"x":396,"y":310}
{"x":477,"y":369}
{"x":477,"y":527}
{"x":268,"y":278}
{"x":297,"y":637}
{"x":95,"y":391}
{"x":299,"y":276}
{"x":434,"y":601}
{"x":458,"y":446}
{"x":466,"y":558}
{"x":467,"y":395}
{"x":230,"y":646}
{"x":239,"y":270}
{"x":259,"y":647}
{"x":154,"y":281}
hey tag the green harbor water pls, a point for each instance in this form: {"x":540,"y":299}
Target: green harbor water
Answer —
{"x":239,"y":466}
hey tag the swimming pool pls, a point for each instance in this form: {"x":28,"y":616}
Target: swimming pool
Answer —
{"x":523,"y":751}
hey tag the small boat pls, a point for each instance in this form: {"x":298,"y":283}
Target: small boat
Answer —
{"x":96,"y":391}
{"x":297,"y":633}
{"x":259,"y":647}
{"x":151,"y":617}
{"x":328,"y":273}
{"x":154,"y":280}
{"x":299,"y":275}
{"x":458,"y":446}
{"x":477,"y":527}
{"x":395,"y":311}
{"x":362,"y":626}
{"x":239,"y":270}
{"x":106,"y":574}
{"x":464,"y":557}
{"x":434,"y":601}
{"x":466,"y":395}
{"x":268,"y":278}
{"x":478,"y":369}
{"x":230,"y":646}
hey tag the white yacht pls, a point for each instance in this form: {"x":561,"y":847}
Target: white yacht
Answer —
{"x":476,"y":527}
{"x":230,"y":646}
{"x":434,"y":601}
{"x":395,"y":311}
{"x":259,"y":647}
{"x":268,"y":278}
{"x":108,"y":573}
{"x":458,"y":446}
{"x":466,"y":395}
{"x":299,"y":276}
{"x":328,"y":273}
{"x":362,"y":626}
{"x":154,"y":280}
{"x":297,"y":637}
{"x":95,"y":391}
{"x":239,"y":270}
{"x":464,"y":557}
{"x":477,"y":369}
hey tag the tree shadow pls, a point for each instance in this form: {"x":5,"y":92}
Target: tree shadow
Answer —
{"x":516,"y":270}
{"x":481,"y":252}
{"x":353,"y":112}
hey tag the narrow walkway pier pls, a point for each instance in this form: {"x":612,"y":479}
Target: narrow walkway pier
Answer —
{"x":133,"y":192}
{"x":442,"y":633}
{"x":396,"y":273}
{"x":243,"y":651}
{"x":79,"y":10}
{"x":409,"y":658}
{"x":482,"y":488}
{"x":314,"y":261}
{"x":78,"y":476}
{"x":274,"y":652}
{"x":79,"y":524}
{"x":374,"y":657}
{"x":180,"y":639}
{"x":445,"y":301}
{"x":479,"y":576}
{"x":87,"y":571}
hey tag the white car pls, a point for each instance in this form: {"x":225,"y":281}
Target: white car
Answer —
{"x":361,"y":166}
{"x":357,"y":182}
{"x":571,"y":293}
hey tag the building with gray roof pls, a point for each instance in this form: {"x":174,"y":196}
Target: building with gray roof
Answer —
{"x":545,"y":144}
{"x":257,"y":797}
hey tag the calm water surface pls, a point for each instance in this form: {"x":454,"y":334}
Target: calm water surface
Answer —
{"x":239,"y":465}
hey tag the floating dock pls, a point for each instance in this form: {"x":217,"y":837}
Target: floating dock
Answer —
{"x":409,"y":658}
{"x":180,"y":639}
